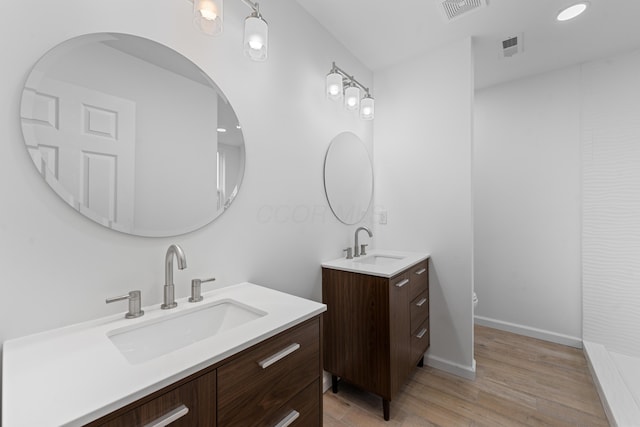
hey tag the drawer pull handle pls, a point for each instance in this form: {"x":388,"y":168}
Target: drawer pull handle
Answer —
{"x":421,"y":271}
{"x":169,"y":417}
{"x":289,"y":419}
{"x":278,"y":356}
{"x":421,"y":302}
{"x":421,"y":333}
{"x":402,"y":283}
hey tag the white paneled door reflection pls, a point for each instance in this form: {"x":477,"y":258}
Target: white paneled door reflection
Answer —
{"x":90,"y":153}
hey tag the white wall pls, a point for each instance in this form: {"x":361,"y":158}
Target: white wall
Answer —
{"x":423,"y":131}
{"x":611,"y":207}
{"x":527,"y":206}
{"x":58,"y":267}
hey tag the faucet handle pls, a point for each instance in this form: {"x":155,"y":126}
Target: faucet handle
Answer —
{"x":349,"y":252}
{"x":135,"y":302}
{"x":196,"y":289}
{"x":362,"y":248}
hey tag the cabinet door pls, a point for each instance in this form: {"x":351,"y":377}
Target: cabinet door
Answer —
{"x":356,"y":329}
{"x":192,"y":404}
{"x":400,"y":328}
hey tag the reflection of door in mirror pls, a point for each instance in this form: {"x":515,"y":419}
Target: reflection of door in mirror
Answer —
{"x":90,"y":148}
{"x":132,"y":134}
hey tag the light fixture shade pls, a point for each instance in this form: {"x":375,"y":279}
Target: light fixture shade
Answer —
{"x":208,"y":17}
{"x":256,"y":37}
{"x":352,"y":97}
{"x":367,"y":108}
{"x":334,"y":86}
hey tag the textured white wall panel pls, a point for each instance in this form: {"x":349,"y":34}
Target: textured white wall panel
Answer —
{"x":611,"y":203}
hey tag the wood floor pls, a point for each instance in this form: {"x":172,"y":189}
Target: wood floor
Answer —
{"x":520,"y":381}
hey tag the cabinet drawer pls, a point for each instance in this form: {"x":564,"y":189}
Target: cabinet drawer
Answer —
{"x":419,"y":342}
{"x":418,"y":276}
{"x":192,"y":404}
{"x":419,"y":310}
{"x":400,"y":281}
{"x":261,"y":380}
{"x":302,"y":411}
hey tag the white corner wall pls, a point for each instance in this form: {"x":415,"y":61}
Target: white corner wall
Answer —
{"x":423,"y":133}
{"x":59,"y":267}
{"x":527,"y":206}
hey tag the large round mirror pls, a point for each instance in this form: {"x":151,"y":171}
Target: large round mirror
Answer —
{"x":348,"y":178}
{"x":132,"y":134}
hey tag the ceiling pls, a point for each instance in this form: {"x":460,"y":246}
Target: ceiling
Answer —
{"x":383,"y":33}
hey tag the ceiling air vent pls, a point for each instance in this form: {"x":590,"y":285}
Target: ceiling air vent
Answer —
{"x":512,"y":45}
{"x":452,"y":10}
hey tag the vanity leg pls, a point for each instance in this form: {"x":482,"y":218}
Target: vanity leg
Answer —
{"x":334,"y":383}
{"x":385,"y":409}
{"x":421,"y":362}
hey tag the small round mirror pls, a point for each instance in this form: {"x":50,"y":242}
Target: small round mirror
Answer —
{"x":348,"y":178}
{"x":132,"y":134}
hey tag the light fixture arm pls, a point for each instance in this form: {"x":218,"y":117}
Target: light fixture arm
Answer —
{"x":346,"y":77}
{"x":255,"y":6}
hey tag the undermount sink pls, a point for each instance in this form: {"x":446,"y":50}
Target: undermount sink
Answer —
{"x":379,"y":259}
{"x":157,"y":337}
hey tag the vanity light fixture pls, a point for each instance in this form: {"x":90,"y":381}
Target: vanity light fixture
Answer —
{"x":340,"y":85}
{"x":208,"y":17}
{"x":572,"y":11}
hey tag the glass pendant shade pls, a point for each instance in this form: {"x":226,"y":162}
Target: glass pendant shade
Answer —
{"x":367,"y":107}
{"x":207,"y":15}
{"x":256,"y":35}
{"x":334,"y":86}
{"x":352,"y":97}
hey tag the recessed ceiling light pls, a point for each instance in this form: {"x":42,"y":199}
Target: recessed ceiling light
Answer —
{"x":572,"y":11}
{"x":221,"y":130}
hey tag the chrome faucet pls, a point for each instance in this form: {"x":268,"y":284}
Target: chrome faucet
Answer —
{"x":356,"y":248}
{"x":176,"y":252}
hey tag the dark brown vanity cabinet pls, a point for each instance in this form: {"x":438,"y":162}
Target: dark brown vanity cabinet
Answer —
{"x":376,"y":329}
{"x":275,"y":382}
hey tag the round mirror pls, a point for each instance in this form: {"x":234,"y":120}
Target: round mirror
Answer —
{"x":132,"y":134}
{"x":348,"y":178}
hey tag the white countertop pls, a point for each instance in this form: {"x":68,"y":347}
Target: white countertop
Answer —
{"x":73,"y":375}
{"x":389,"y":267}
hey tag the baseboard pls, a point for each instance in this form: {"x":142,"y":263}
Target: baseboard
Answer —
{"x":468,"y":372}
{"x":529,"y":331}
